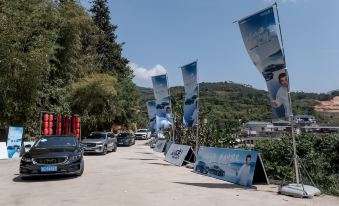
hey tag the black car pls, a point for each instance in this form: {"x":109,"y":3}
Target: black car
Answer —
{"x":126,"y":139}
{"x":201,"y":167}
{"x":215,"y":170}
{"x":53,"y":155}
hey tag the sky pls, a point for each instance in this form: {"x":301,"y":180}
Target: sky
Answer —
{"x":162,"y":35}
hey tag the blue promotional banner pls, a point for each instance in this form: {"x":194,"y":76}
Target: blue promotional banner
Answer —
{"x":151,"y":115}
{"x":163,"y":105}
{"x":232,"y":165}
{"x":189,"y":74}
{"x":14,"y":141}
{"x":259,"y":33}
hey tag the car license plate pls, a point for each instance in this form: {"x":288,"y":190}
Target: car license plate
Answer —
{"x":49,"y":169}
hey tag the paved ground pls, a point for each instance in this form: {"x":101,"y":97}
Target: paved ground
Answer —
{"x":137,"y":176}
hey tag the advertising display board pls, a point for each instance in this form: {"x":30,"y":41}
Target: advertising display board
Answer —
{"x":160,"y":145}
{"x":14,"y":141}
{"x":168,"y":146}
{"x":232,"y":165}
{"x":177,"y":154}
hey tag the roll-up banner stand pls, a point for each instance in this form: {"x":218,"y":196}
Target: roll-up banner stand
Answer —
{"x":238,"y":166}
{"x":179,"y":154}
{"x":14,"y":141}
{"x":3,"y":151}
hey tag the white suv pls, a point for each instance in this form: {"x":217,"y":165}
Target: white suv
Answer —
{"x":143,"y":134}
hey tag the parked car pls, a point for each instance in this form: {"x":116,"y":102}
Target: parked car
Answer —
{"x":100,"y":142}
{"x":53,"y":155}
{"x":201,"y":167}
{"x":126,"y":139}
{"x":143,"y":134}
{"x":215,"y":170}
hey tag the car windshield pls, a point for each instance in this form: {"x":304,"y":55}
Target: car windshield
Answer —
{"x":123,"y":134}
{"x":96,"y":136}
{"x":142,"y":130}
{"x":51,"y":142}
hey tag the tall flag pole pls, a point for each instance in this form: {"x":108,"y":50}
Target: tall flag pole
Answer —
{"x":291,"y":117}
{"x":191,"y":103}
{"x":265,"y":47}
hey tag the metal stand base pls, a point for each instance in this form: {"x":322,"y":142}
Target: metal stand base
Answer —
{"x":299,"y":190}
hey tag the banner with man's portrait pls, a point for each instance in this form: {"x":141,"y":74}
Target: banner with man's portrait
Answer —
{"x":163,"y":104}
{"x":189,"y":74}
{"x":259,"y":33}
{"x":151,"y":115}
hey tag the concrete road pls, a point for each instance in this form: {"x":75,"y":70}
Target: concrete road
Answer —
{"x":136,"y":176}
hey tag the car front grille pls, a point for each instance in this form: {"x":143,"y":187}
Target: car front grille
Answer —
{"x":50,"y":161}
{"x":90,"y":144}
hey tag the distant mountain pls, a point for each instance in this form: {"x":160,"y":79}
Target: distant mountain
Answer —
{"x":222,"y":102}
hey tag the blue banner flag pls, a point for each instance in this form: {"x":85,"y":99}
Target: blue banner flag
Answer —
{"x":189,"y":74}
{"x":259,"y":33}
{"x":163,"y":103}
{"x":151,"y":115}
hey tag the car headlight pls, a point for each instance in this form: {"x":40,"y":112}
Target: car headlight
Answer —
{"x":100,"y":144}
{"x":75,"y":157}
{"x":26,"y":159}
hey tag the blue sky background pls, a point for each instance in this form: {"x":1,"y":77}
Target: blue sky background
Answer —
{"x":162,"y":35}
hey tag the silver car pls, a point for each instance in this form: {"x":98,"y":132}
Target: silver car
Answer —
{"x":100,"y":142}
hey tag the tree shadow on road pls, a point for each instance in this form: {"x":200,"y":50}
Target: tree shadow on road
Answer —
{"x":217,"y":185}
{"x":43,"y":178}
{"x":140,"y":159}
{"x":144,"y":152}
{"x":163,"y":164}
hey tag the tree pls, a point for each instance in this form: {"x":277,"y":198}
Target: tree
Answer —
{"x":27,"y":35}
{"x":92,"y":97}
{"x":108,"y":49}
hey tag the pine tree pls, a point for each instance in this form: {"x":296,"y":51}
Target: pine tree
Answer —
{"x":109,"y":51}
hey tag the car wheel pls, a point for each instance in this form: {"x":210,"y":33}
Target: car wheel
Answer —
{"x":81,"y":171}
{"x":115,"y":148}
{"x":105,"y":150}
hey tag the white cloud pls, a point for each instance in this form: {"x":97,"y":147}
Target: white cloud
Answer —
{"x":146,"y":74}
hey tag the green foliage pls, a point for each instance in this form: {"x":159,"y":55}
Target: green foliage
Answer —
{"x":318,"y":153}
{"x":109,"y":51}
{"x":92,"y":98}
{"x":27,"y":35}
{"x":225,"y":102}
{"x":50,"y":53}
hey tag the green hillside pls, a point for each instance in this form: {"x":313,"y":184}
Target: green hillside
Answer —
{"x":222,"y":102}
